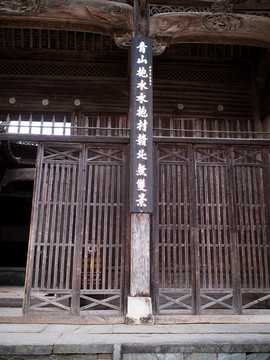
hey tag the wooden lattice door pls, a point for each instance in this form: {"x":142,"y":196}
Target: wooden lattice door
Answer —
{"x":212,"y":229}
{"x":77,"y":238}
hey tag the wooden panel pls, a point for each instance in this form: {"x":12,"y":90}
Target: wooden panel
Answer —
{"x":104,"y":230}
{"x":215,"y":248}
{"x":53,"y":233}
{"x":213,"y":229}
{"x":200,"y":88}
{"x":78,"y":230}
{"x":253,"y":227}
{"x":174,"y":241}
{"x":204,"y":127}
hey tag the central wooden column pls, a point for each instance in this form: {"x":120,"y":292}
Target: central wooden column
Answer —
{"x":141,"y":169}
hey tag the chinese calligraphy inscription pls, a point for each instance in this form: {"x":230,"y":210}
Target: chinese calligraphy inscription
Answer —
{"x":141,"y":138}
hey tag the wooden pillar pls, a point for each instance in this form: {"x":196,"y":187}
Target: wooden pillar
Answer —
{"x":139,"y":301}
{"x":140,"y":259}
{"x":141,"y":169}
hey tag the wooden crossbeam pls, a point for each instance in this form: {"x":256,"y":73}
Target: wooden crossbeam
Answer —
{"x":219,"y":301}
{"x":105,"y":302}
{"x":178,"y":301}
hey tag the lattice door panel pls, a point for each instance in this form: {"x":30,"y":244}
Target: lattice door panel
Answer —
{"x":214,"y":243}
{"x":252,"y":199}
{"x":174,"y":239}
{"x":104,"y":230}
{"x":76,"y":253}
{"x":53,"y":231}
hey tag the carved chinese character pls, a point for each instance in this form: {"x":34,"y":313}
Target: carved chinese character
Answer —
{"x":142,"y":60}
{"x":141,"y":140}
{"x":142,"y":85}
{"x":141,"y":98}
{"x":141,"y":154}
{"x":142,"y":125}
{"x":141,"y":200}
{"x":141,"y":170}
{"x":141,"y":185}
{"x":142,"y":72}
{"x":142,"y":47}
{"x":142,"y":112}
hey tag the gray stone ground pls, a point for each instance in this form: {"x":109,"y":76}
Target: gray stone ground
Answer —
{"x":140,"y":342}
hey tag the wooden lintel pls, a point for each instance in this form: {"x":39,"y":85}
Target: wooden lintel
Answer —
{"x":97,"y":16}
{"x":211,"y":141}
{"x":211,"y":28}
{"x":125,"y":140}
{"x":64,"y":139}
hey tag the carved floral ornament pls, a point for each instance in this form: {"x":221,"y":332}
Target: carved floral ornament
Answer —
{"x":159,"y":44}
{"x":223,"y":22}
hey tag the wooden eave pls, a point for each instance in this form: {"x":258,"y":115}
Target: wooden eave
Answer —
{"x":200,"y":27}
{"x":114,"y":18}
{"x":96,"y":16}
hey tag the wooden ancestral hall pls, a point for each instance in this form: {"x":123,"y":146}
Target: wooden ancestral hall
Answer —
{"x":136,"y":133}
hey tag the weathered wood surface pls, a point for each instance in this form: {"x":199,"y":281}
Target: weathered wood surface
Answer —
{"x":208,"y":27}
{"x":140,"y":255}
{"x":98,"y":16}
{"x":77,"y":245}
{"x":108,"y":17}
{"x":212,"y":238}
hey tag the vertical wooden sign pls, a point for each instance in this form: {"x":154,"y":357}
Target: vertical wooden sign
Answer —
{"x":141,"y":131}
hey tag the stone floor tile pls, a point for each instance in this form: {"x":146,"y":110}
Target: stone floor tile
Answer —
{"x":22,"y":328}
{"x":259,"y":356}
{"x":236,"y":356}
{"x":200,"y":356}
{"x":60,"y":329}
{"x":142,"y":356}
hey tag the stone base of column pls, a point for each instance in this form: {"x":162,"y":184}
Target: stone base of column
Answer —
{"x":139,"y":311}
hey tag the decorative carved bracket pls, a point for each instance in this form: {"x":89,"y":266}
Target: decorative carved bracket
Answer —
{"x":159,"y":43}
{"x":123,"y":41}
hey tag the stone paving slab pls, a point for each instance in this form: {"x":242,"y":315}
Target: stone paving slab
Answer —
{"x":193,"y":329}
{"x":42,"y":339}
{"x":7,"y":311}
{"x":22,"y":328}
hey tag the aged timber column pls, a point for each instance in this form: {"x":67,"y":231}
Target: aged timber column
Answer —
{"x":141,"y":180}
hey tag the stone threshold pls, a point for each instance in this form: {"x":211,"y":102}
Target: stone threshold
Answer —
{"x":14,"y":316}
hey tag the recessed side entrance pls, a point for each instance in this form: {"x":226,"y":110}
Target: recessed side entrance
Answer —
{"x":77,"y":241}
{"x":211,"y":240}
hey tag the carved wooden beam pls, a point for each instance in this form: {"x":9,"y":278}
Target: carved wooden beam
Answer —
{"x":143,"y":5}
{"x":211,"y":28}
{"x":141,"y":18}
{"x":98,"y":16}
